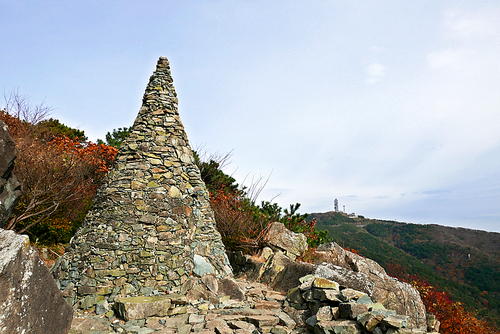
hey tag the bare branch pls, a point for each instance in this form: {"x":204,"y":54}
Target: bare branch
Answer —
{"x":20,"y":106}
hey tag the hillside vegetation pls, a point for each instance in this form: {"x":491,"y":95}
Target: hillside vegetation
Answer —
{"x":464,"y":262}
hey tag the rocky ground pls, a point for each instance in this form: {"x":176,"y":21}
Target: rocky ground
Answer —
{"x":262,"y":311}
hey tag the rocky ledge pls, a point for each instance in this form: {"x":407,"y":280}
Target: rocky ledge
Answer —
{"x":208,"y":305}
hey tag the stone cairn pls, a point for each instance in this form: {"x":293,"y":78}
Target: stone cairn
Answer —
{"x":151,"y":226}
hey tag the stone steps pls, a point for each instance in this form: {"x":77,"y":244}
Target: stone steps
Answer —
{"x":257,"y":309}
{"x":261,"y":311}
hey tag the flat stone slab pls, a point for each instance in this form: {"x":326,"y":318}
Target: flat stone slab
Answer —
{"x":339,"y":327}
{"x":262,"y":320}
{"x":133,"y":308}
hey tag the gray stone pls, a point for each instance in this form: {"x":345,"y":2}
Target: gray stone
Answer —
{"x":324,"y":313}
{"x":101,"y":307}
{"x":238,"y":324}
{"x":210,"y":282}
{"x":90,"y":301}
{"x":219,"y":326}
{"x":291,"y":275}
{"x":311,"y":322}
{"x":228,"y":287}
{"x":395,"y":321}
{"x":279,"y":330}
{"x":88,"y":324}
{"x":294,"y":295}
{"x":202,"y":266}
{"x":351,"y":310}
{"x":262,"y":320}
{"x":139,"y":330}
{"x":285,"y":319}
{"x":132,"y":308}
{"x":382,"y":312}
{"x":290,"y":243}
{"x":364,"y":299}
{"x":327,"y":295}
{"x":351,"y":294}
{"x":196,"y":318}
{"x":308,"y":295}
{"x":275,"y":271}
{"x":338,"y":327}
{"x":369,"y":320}
{"x":30,"y":301}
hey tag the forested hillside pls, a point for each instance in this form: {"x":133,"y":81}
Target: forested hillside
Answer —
{"x":466,"y":263}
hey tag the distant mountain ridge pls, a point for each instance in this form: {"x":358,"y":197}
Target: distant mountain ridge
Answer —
{"x":463,"y":261}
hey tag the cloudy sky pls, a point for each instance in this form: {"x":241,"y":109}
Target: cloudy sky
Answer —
{"x":393,"y":107}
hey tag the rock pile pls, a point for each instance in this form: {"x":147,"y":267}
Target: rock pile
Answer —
{"x":336,"y":309}
{"x":248,"y":308}
{"x":357,"y":272}
{"x":336,"y":264}
{"x":228,"y":306}
{"x":151,"y":226}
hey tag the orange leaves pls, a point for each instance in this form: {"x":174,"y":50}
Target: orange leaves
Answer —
{"x":59,"y":178}
{"x":454,"y":317}
{"x":99,"y":156}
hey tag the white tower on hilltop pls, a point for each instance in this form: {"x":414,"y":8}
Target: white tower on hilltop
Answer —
{"x":336,"y":205}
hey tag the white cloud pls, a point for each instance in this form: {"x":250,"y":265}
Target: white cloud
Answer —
{"x":461,"y":24}
{"x":375,"y":72}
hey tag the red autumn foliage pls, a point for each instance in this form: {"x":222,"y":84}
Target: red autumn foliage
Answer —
{"x":59,"y":178}
{"x":454,"y":317}
{"x":237,"y":222}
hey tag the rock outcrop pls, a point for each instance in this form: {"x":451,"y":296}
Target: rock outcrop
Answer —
{"x":347,"y":269}
{"x":357,"y":272}
{"x":30,"y":301}
{"x":151,"y":227}
{"x":290,"y":243}
{"x":10,"y":188}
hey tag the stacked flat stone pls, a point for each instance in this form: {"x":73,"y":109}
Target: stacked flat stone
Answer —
{"x":151,"y":226}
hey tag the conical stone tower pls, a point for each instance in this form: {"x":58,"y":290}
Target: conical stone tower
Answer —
{"x":151,"y":226}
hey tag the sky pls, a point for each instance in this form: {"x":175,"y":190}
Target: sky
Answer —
{"x":392,"y":107}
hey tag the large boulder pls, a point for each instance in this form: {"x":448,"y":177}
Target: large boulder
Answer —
{"x":354,"y":271}
{"x":30,"y":301}
{"x":290,"y":243}
{"x":10,"y":188}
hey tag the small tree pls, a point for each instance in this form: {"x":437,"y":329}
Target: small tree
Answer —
{"x":116,"y":137}
{"x":20,"y":107}
{"x":50,"y":128}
